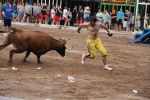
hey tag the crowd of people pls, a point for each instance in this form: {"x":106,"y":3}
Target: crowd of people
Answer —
{"x":41,"y":14}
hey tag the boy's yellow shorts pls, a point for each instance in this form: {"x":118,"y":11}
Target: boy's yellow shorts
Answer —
{"x":94,"y":44}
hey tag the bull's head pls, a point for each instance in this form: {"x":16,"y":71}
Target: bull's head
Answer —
{"x":62,"y":49}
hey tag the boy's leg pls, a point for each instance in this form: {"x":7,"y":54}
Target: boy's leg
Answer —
{"x":91,"y":49}
{"x":103,"y":52}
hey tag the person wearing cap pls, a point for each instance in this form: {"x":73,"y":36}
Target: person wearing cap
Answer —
{"x":93,"y":41}
{"x":86,"y":14}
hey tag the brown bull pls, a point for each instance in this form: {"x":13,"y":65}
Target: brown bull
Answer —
{"x":37,"y":42}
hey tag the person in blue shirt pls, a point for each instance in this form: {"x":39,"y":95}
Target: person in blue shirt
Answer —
{"x":120,"y":15}
{"x":14,"y":11}
{"x":7,"y":17}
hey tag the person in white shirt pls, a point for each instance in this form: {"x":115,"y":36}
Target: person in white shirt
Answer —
{"x":27,"y":12}
{"x":64,"y":13}
{"x":35,"y":7}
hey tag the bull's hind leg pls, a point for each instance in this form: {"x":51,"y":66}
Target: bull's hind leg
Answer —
{"x":2,"y":46}
{"x":38,"y":58}
{"x":27,"y":54}
{"x":11,"y":54}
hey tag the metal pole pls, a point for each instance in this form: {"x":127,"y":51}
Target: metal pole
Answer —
{"x":53,"y":3}
{"x":49,"y":4}
{"x":41,"y":2}
{"x":145,"y":14}
{"x":100,"y":4}
{"x":45,"y":2}
{"x":60,"y":3}
{"x":137,"y":5}
{"x":56,"y":3}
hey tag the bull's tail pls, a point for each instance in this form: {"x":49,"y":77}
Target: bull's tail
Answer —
{"x":2,"y":31}
{"x":16,"y":30}
{"x":7,"y":40}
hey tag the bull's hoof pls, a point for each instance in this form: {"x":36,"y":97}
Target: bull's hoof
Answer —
{"x":24,"y":60}
{"x":9,"y":62}
{"x":39,"y":62}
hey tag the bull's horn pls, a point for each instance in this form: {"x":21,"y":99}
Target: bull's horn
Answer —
{"x":70,"y":48}
{"x":65,"y":39}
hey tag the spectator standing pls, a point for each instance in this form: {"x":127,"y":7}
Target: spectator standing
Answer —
{"x":99,"y":16}
{"x":113,"y":17}
{"x":138,"y":22}
{"x":53,"y":14}
{"x":132,"y":22}
{"x":120,"y":15}
{"x":129,"y":19}
{"x":34,"y":7}
{"x":7,"y":17}
{"x":74,"y":13}
{"x":27,"y":12}
{"x":64,"y":13}
{"x":68,"y":17}
{"x":106,"y":18}
{"x":125,"y":17}
{"x":14,"y":11}
{"x":57,"y":15}
{"x":86,"y":14}
{"x":20,"y":10}
{"x":44,"y":15}
{"x":38,"y":14}
{"x":79,"y":17}
{"x":145,"y":20}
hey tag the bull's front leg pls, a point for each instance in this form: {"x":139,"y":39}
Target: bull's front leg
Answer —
{"x":11,"y":54}
{"x":27,"y":54}
{"x":38,"y":58}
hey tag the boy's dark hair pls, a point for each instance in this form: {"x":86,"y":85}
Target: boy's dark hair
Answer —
{"x":8,"y":1}
{"x":92,"y":19}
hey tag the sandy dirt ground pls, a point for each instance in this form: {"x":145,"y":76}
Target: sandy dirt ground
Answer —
{"x":131,"y":63}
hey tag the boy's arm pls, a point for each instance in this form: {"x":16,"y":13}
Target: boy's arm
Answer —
{"x":82,"y":25}
{"x":102,"y":26}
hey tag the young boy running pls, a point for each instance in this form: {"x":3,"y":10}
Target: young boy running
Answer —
{"x":93,"y":41}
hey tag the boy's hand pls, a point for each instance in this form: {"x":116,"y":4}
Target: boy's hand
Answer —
{"x":110,"y":34}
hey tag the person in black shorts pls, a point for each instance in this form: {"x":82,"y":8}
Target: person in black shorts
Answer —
{"x":7,"y":17}
{"x":113,"y":19}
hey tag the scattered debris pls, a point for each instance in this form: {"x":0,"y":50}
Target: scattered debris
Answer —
{"x":58,"y":75}
{"x":135,"y":91}
{"x":71,"y":79}
{"x":13,"y":68}
{"x":39,"y":68}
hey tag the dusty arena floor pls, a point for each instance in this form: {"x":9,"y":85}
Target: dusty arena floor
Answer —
{"x":131,"y":63}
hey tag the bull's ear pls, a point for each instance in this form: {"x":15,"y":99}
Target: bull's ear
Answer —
{"x":62,"y":41}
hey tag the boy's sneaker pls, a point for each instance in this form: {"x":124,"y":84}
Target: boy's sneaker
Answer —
{"x":82,"y":58}
{"x":108,"y":68}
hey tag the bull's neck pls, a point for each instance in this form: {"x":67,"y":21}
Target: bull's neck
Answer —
{"x":54,"y":44}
